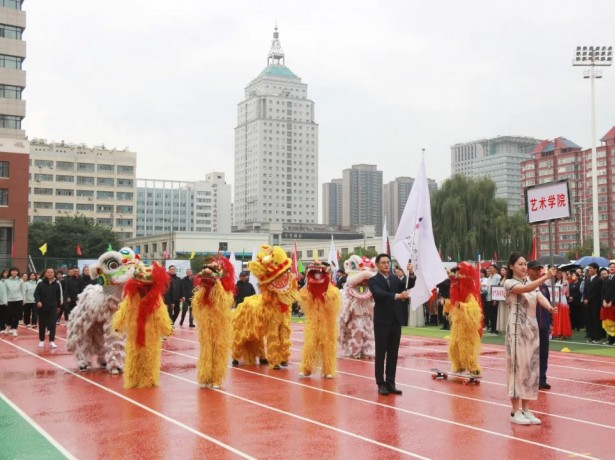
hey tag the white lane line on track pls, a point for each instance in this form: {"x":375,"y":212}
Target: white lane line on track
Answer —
{"x":304,"y":419}
{"x":550,"y":392}
{"x":407,"y":411}
{"x":136,"y":403}
{"x":38,"y":428}
{"x":422,"y":358}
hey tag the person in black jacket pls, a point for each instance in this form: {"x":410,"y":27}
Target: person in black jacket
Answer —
{"x":174,"y":295}
{"x":389,"y":294}
{"x":574,"y":300}
{"x":72,"y":291}
{"x":85,"y":279}
{"x":48,"y":298}
{"x":187,"y":294}
{"x":244,"y":288}
{"x":592,"y":300}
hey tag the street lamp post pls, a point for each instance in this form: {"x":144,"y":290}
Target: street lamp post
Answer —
{"x":593,"y":56}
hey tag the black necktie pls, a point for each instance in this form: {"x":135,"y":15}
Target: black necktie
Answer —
{"x":388,"y":282}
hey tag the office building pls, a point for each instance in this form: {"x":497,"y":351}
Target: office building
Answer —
{"x":68,"y":180}
{"x":182,"y":206}
{"x":562,"y":159}
{"x":362,"y":197}
{"x":395,"y":196}
{"x":499,"y":159}
{"x":332,"y":202}
{"x":276,"y":148}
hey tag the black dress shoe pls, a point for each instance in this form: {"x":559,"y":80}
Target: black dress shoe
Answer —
{"x":277,"y":367}
{"x":393,"y":389}
{"x":263,"y":361}
{"x":544,"y":386}
{"x":284,"y":364}
{"x":383,"y":390}
{"x":191,"y":325}
{"x":235,"y":363}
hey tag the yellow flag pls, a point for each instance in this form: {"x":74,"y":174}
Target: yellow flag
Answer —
{"x":192,"y":255}
{"x":43,"y":249}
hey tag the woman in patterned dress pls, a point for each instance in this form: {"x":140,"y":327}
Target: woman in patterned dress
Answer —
{"x":522,"y":340}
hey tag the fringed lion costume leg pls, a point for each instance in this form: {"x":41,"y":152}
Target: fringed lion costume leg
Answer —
{"x":249,"y":324}
{"x":144,"y":317}
{"x":465,"y":316}
{"x":211,"y":306}
{"x":320,"y":302}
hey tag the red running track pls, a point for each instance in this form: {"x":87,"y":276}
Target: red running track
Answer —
{"x":261,"y":413}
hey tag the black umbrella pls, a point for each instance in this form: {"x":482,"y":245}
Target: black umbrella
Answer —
{"x":554,"y":259}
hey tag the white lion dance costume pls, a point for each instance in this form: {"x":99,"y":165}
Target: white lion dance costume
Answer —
{"x":466,"y":317}
{"x":144,"y":317}
{"x":211,"y":306}
{"x":89,"y":327}
{"x":320,"y":302}
{"x":266,"y":315}
{"x":357,"y":316}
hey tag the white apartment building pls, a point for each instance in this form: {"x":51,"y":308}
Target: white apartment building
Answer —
{"x":276,"y":149}
{"x":68,"y":179}
{"x":182,"y":206}
{"x":499,"y":159}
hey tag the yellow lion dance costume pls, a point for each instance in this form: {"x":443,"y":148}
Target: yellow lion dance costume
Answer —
{"x":321,"y":302}
{"x":143,"y":315}
{"x":266,"y":315}
{"x":211,"y":306}
{"x":466,"y":317}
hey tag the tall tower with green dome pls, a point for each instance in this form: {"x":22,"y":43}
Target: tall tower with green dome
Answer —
{"x":276,"y":149}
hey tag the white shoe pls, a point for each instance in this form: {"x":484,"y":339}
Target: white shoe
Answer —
{"x":14,"y":332}
{"x":531,"y":417}
{"x":47,"y":333}
{"x":328,"y":376}
{"x":41,"y":344}
{"x":3,"y":332}
{"x":519,"y":418}
{"x":53,"y":345}
{"x":215,"y":387}
{"x":28,"y":327}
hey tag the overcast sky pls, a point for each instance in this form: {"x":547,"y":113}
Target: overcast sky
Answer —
{"x":388,"y":78}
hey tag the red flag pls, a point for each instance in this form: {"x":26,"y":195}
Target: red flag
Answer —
{"x":534,"y":254}
{"x":166,"y":254}
{"x":78,"y":250}
{"x":13,"y":250}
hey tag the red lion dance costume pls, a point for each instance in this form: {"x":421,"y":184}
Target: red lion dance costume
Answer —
{"x":320,"y":301}
{"x":211,"y":307}
{"x":266,"y":315}
{"x":465,"y":316}
{"x":144,"y":317}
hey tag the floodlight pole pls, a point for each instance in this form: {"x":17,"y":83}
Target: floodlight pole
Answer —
{"x":596,"y":226}
{"x":592,"y":56}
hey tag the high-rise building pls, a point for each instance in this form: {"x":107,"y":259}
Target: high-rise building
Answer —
{"x":165,"y":206}
{"x":69,"y":179}
{"x":395,"y":196}
{"x":332,"y":202}
{"x":362,"y":197}
{"x":499,"y":159}
{"x":276,"y":148}
{"x":562,"y":159}
{"x":13,"y":145}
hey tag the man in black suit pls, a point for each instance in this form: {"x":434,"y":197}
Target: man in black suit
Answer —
{"x":389,"y":296}
{"x":592,"y":300}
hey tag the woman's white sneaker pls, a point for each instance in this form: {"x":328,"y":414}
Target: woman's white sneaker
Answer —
{"x":531,"y":417}
{"x":41,"y":344}
{"x":519,"y":418}
{"x":53,"y":345}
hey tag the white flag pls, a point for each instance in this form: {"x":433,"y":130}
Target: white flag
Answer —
{"x":253,"y":279}
{"x":414,"y":242}
{"x":236,"y":265}
{"x":332,"y":259}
